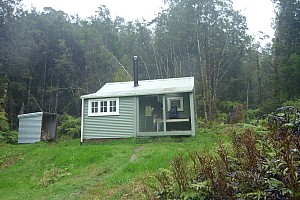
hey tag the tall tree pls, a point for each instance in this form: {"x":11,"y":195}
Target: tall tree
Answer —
{"x":9,"y":11}
{"x":206,"y":39}
{"x":287,"y":50}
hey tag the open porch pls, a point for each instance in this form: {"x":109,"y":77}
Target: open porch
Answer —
{"x":166,"y":114}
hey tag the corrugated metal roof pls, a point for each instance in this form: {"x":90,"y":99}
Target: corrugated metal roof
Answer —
{"x":146,"y":87}
{"x":35,"y":114}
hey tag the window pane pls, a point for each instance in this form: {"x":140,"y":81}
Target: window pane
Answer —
{"x":112,"y":106}
{"x":94,"y":107}
{"x":103,"y":106}
{"x":175,"y":103}
{"x":113,"y":103}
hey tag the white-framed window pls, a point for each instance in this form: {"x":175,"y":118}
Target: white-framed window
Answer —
{"x":102,"y":107}
{"x":175,"y":101}
{"x":94,"y":107}
{"x":112,"y":106}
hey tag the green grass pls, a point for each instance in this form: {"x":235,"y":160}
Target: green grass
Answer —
{"x":96,"y":170}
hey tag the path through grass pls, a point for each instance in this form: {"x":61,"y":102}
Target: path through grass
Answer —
{"x":66,"y":170}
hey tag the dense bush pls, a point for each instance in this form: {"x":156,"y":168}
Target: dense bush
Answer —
{"x":253,"y":114}
{"x":69,"y":126}
{"x":4,"y":126}
{"x":251,"y":167}
{"x":295,"y":104}
{"x":7,"y":136}
{"x":286,"y":117}
{"x":10,"y":137}
{"x":235,"y":111}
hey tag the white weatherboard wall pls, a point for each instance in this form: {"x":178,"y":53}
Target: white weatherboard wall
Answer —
{"x":30,"y":126}
{"x":120,"y":126}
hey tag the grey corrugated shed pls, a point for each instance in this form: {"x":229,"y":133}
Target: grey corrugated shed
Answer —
{"x":31,"y":126}
{"x":146,"y":87}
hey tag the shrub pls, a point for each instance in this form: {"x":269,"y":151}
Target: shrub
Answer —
{"x":287,"y":117}
{"x":10,"y":137}
{"x":295,"y":103}
{"x":4,"y":126}
{"x":69,"y":126}
{"x":200,"y":123}
{"x":237,"y":114}
{"x":254,"y":167}
{"x":7,"y":136}
{"x":253,"y":114}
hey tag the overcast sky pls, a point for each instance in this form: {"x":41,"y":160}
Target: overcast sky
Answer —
{"x":259,"y":13}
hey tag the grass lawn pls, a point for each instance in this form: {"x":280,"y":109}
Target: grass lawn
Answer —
{"x":113,"y":169}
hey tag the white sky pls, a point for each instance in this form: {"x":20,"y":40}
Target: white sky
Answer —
{"x":259,"y":13}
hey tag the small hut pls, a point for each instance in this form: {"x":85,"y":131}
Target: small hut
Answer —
{"x":38,"y":126}
{"x":162,"y":107}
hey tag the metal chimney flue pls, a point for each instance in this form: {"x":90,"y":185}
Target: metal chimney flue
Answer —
{"x":135,"y":71}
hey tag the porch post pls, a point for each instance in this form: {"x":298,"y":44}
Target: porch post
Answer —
{"x":164,"y":113}
{"x":192,"y":111}
{"x":137,"y":117}
{"x":82,"y":116}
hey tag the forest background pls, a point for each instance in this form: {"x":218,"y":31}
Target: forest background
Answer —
{"x":49,"y":59}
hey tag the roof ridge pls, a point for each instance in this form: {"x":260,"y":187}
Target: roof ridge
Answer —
{"x":146,"y":87}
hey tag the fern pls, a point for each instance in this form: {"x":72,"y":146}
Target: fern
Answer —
{"x":4,"y":126}
{"x":69,"y":126}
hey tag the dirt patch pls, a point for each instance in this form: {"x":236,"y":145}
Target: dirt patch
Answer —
{"x":9,"y":159}
{"x":7,"y":163}
{"x":133,"y":156}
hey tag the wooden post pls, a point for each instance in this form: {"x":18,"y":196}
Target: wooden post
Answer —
{"x":164,"y":113}
{"x":82,"y":115}
{"x":192,"y":112}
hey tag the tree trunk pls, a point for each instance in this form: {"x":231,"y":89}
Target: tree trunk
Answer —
{"x":29,"y":94}
{"x":203,"y":80}
{"x":261,"y":92}
{"x":156,"y":63}
{"x":148,"y":75}
{"x":44,"y":77}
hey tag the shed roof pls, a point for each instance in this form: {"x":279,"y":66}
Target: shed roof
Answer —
{"x":35,"y":114}
{"x":145,"y":87}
